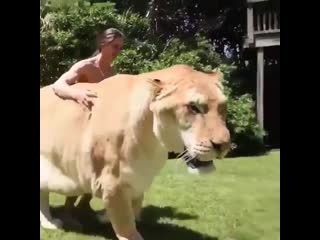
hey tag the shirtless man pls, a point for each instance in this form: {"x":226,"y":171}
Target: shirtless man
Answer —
{"x":92,"y":70}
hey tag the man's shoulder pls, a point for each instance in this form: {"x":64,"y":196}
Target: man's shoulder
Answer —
{"x":83,"y":65}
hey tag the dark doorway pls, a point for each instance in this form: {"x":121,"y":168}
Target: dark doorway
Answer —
{"x":272,"y":96}
{"x":248,"y":78}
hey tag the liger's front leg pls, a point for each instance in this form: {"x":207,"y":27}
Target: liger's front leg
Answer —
{"x":122,"y":215}
{"x":137,"y":207}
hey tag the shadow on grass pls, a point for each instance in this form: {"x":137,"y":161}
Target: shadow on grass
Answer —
{"x":149,"y":226}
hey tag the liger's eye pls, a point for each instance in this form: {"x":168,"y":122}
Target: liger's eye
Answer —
{"x":194,"y":108}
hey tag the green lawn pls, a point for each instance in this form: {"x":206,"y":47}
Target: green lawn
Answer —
{"x":240,"y":201}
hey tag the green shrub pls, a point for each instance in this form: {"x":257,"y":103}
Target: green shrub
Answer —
{"x":67,"y":35}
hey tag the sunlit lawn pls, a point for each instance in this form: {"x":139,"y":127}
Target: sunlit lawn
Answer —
{"x":240,"y":201}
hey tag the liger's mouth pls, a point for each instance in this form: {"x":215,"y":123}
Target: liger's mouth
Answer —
{"x":195,"y":163}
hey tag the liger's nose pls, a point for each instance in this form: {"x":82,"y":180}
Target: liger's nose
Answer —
{"x":216,"y":146}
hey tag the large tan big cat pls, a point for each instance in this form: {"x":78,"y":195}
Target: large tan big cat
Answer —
{"x":114,"y":150}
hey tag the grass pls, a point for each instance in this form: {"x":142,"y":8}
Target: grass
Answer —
{"x":240,"y":201}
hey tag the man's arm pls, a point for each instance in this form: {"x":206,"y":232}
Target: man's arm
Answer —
{"x":62,"y":86}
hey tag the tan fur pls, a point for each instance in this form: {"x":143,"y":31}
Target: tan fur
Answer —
{"x":115,"y":150}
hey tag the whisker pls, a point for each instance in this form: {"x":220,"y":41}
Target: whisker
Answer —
{"x":181,"y":158}
{"x":182,"y":153}
{"x":188,"y":159}
{"x":184,"y":158}
{"x":185,"y":155}
{"x":179,"y":161}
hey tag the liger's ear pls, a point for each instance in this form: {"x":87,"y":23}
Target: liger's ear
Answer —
{"x":161,"y":91}
{"x":157,"y":86}
{"x":157,"y":83}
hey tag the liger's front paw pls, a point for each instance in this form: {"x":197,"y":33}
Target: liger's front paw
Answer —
{"x":53,"y":224}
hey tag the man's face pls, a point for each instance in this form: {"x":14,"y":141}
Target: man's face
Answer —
{"x":113,"y":49}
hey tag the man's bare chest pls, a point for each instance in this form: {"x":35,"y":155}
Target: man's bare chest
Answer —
{"x":93,"y":76}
